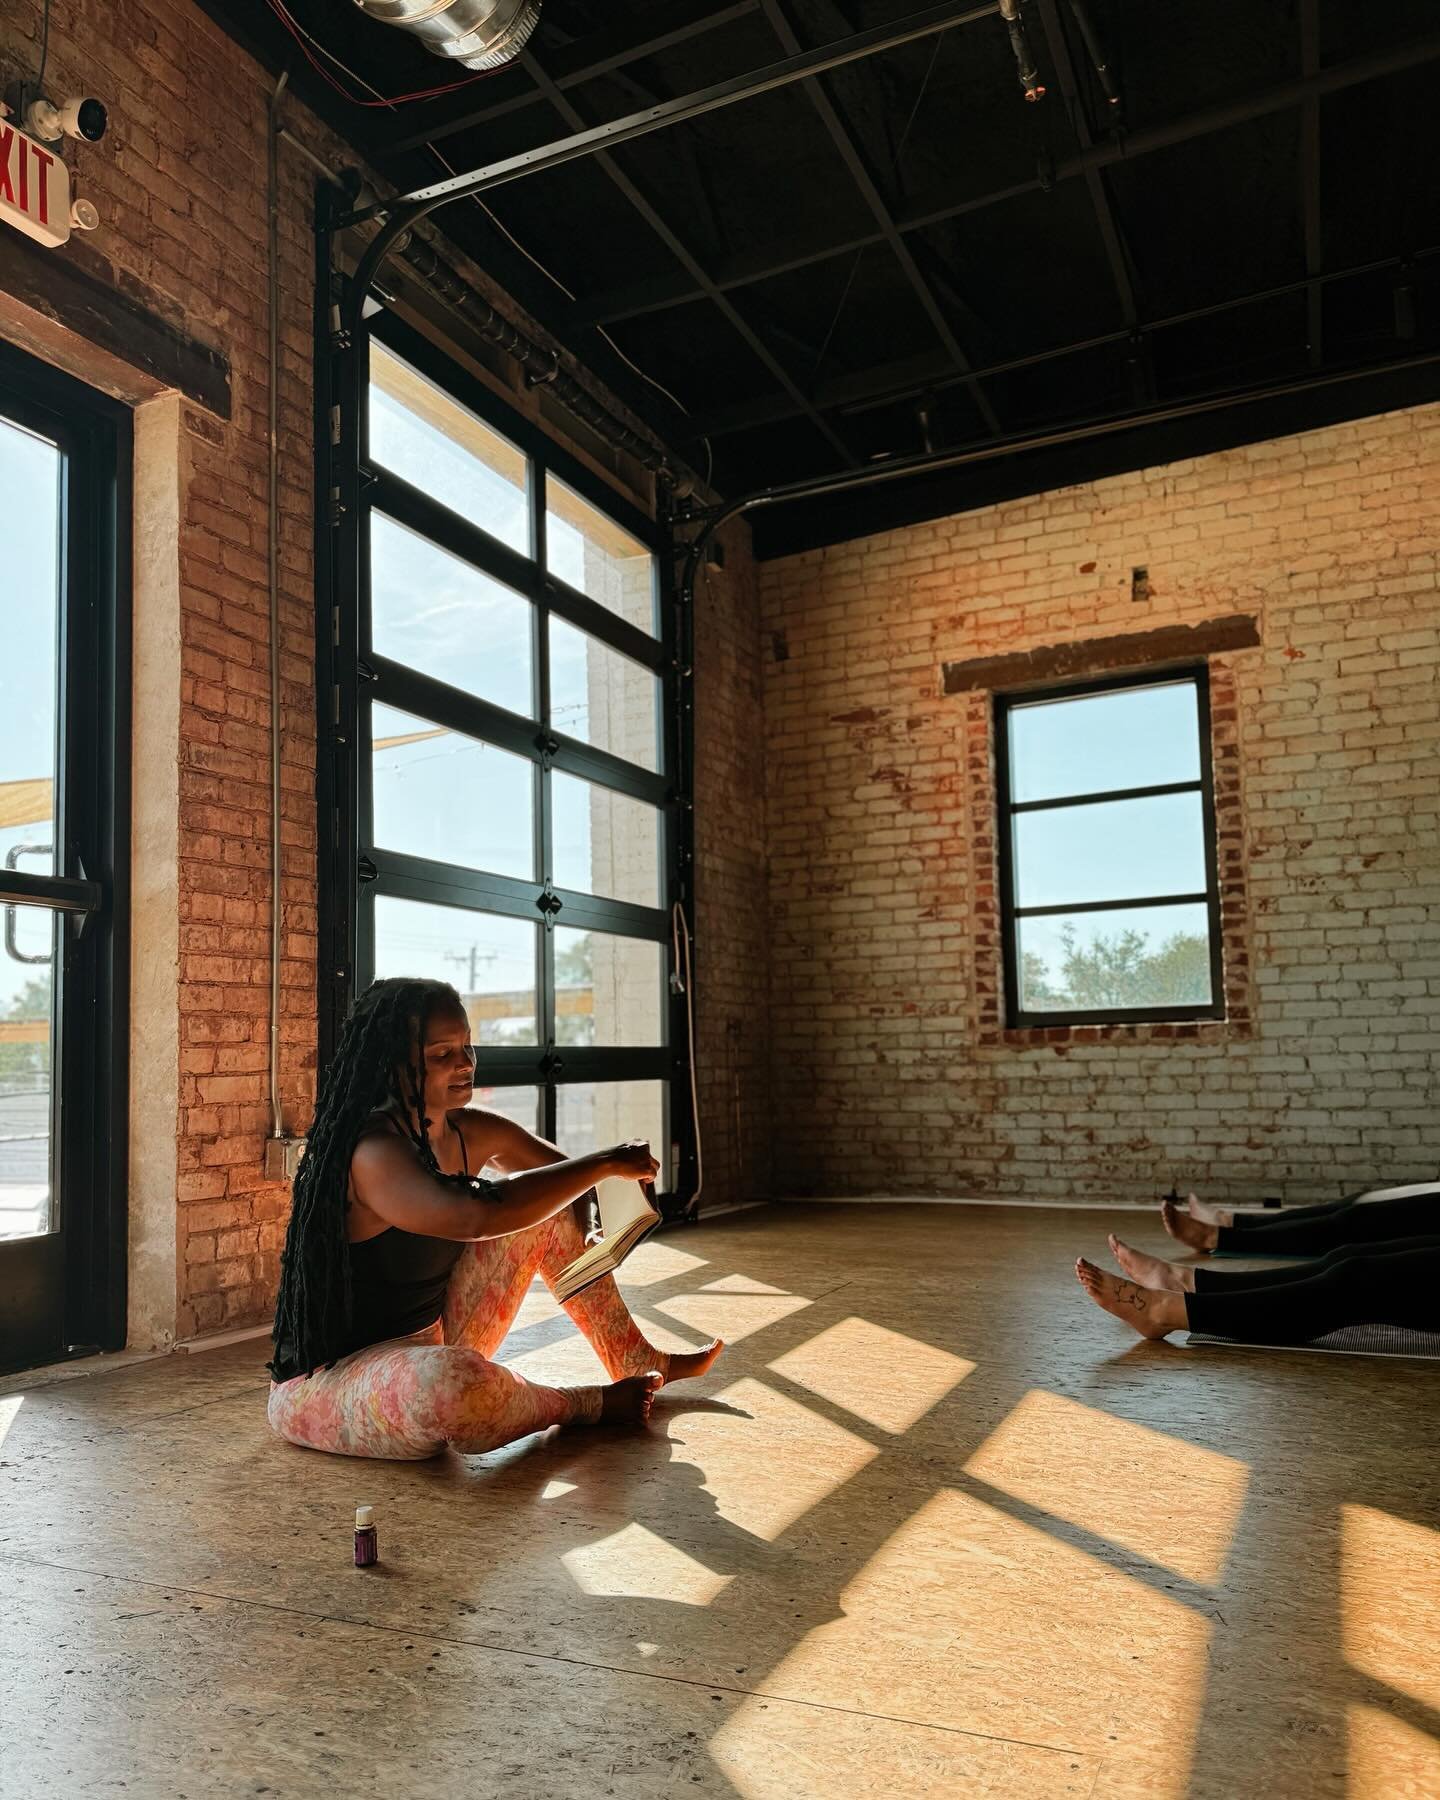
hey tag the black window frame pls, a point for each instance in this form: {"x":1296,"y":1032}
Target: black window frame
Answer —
{"x":86,"y":1258}
{"x":1016,"y":1017}
{"x":354,"y":872}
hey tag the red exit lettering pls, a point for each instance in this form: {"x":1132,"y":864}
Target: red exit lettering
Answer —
{"x":17,"y":153}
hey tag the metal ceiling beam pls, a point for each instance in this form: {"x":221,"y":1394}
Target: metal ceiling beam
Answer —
{"x":869,"y":191}
{"x":909,"y":30}
{"x":655,"y":297}
{"x":679,"y":250}
{"x":656,"y":28}
{"x":1310,"y":183}
{"x":910,"y":377}
{"x":1115,"y":253}
{"x":904,"y":468}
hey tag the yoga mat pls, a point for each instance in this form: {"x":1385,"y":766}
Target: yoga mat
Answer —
{"x":1351,"y":1340}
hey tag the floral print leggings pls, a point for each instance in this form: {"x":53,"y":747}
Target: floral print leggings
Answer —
{"x":412,"y":1397}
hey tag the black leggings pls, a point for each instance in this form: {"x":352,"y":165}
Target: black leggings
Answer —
{"x":1395,"y":1283}
{"x":1312,"y":1230}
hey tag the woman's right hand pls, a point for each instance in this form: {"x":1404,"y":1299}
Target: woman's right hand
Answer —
{"x":633,"y":1161}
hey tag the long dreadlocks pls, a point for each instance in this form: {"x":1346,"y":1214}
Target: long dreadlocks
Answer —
{"x":379,"y":1062}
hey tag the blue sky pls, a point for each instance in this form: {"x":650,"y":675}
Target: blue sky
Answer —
{"x":29,"y":490}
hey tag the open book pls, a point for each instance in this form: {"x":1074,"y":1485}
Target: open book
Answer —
{"x":627,"y":1217}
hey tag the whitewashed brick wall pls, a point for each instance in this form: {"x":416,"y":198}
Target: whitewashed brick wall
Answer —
{"x":879,"y":1080}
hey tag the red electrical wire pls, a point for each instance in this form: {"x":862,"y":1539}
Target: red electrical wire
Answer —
{"x":449,"y":87}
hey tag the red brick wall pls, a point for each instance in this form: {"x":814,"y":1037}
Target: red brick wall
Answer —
{"x":179,"y":180}
{"x":180,"y":184}
{"x":890,"y":1071}
{"x":731,"y":921}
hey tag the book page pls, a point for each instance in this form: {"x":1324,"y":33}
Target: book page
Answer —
{"x":624,"y":1225}
{"x":623,"y":1202}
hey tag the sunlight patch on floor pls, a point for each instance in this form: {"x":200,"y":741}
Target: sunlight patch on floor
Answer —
{"x":967,"y":1619}
{"x":654,"y":1262}
{"x":636,"y":1564}
{"x":1388,"y":1759}
{"x":731,"y":1316}
{"x":1390,"y":1601}
{"x":881,"y":1376}
{"x":569,"y":1363}
{"x":538,"y":1306}
{"x":1174,"y":1503}
{"x":804,"y":1459}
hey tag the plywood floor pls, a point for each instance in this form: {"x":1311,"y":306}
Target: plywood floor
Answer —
{"x":933,"y":1525}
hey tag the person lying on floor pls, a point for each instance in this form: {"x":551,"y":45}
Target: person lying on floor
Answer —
{"x":1302,"y":1230}
{"x":1380,"y":1265}
{"x":404,"y":1268}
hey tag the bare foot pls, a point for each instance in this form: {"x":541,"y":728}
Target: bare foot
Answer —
{"x":1152,"y":1271}
{"x":1208,"y":1214}
{"x":1193,"y":1233}
{"x":1150,"y":1311}
{"x":628,"y":1402}
{"x":688,"y":1365}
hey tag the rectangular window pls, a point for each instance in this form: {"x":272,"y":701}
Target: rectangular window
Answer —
{"x":418,"y":431}
{"x":1109,"y":895}
{"x":586,"y":548}
{"x":503,"y":727}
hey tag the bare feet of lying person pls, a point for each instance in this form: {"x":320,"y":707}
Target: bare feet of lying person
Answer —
{"x":1186,"y":1229}
{"x":689,"y":1365}
{"x":1152,"y":1271}
{"x":1206,"y":1213}
{"x":627,"y":1402}
{"x":1150,"y":1311}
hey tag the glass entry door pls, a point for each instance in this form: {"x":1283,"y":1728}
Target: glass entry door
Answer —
{"x":61,"y":1082}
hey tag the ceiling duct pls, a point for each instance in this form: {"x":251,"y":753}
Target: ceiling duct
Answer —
{"x":481,"y":34}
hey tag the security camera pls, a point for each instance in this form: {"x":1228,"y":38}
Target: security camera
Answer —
{"x":84,"y":118}
{"x":81,"y":117}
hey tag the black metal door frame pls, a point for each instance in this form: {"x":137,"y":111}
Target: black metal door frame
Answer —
{"x":350,"y":678}
{"x":64,"y":1294}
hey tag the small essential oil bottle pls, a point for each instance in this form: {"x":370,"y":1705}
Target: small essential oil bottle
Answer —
{"x":367,"y":1548}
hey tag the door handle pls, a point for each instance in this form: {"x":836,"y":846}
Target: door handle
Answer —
{"x":12,"y":860}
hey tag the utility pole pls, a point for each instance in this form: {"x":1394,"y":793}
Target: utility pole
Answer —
{"x":473,"y":958}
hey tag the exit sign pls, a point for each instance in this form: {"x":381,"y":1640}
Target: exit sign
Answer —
{"x":34,"y":187}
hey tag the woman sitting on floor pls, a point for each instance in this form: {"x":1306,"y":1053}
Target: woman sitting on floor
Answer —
{"x":403,"y":1270}
{"x":1376,"y":1262}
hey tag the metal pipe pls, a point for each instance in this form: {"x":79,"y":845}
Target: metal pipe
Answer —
{"x":272,"y":167}
{"x":321,"y":168}
{"x":903,"y":467}
{"x":679,"y":28}
{"x":1030,"y":82}
{"x":478,"y":34}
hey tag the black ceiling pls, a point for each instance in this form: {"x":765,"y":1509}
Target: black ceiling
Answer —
{"x":817,"y":275}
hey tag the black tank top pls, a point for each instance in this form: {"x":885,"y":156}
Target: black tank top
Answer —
{"x":398,"y":1280}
